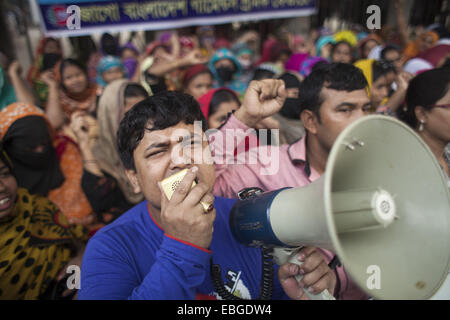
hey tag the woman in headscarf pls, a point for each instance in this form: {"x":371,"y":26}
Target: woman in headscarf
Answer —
{"x":348,"y":36}
{"x":423,"y":42}
{"x":44,"y":162}
{"x":129,"y":55}
{"x":342,"y":51}
{"x":218,"y":103}
{"x":37,"y":242}
{"x":48,"y":53}
{"x":197,"y":80}
{"x":104,"y":180}
{"x":380,"y":75}
{"x":245,"y":56}
{"x":69,"y":91}
{"x":110,"y":68}
{"x":108,"y":47}
{"x":291,"y":127}
{"x":324,"y":45}
{"x":428,"y":112}
{"x":366,"y":45}
{"x":226,"y":70}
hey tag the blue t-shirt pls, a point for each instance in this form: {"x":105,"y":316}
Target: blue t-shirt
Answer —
{"x":133,"y":258}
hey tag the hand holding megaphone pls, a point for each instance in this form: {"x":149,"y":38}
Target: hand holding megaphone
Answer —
{"x":262,"y":99}
{"x":304,"y":274}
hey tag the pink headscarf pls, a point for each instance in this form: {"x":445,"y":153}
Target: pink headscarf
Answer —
{"x":295,"y":61}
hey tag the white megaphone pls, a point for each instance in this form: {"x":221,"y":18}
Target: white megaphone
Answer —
{"x":383,"y":203}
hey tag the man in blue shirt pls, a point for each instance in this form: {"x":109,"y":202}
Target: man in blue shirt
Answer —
{"x":163,"y":249}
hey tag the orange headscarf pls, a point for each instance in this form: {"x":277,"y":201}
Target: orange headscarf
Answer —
{"x":69,"y":196}
{"x":412,"y":50}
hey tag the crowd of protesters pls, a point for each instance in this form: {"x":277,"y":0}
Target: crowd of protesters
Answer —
{"x":62,"y":171}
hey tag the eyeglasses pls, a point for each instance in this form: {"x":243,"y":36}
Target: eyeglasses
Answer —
{"x":440,"y":106}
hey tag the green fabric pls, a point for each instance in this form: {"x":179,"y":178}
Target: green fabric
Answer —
{"x":7,"y":94}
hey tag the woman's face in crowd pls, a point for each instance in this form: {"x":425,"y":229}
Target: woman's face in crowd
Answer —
{"x":342,"y":53}
{"x":8,"y":191}
{"x":113,"y":74}
{"x":437,"y":120}
{"x":74,"y":79}
{"x":51,"y":47}
{"x":426,"y":43}
{"x":395,"y":58}
{"x":199,"y":85}
{"x":380,"y":89}
{"x":128,"y":54}
{"x":216,"y":119}
{"x":369,"y":45}
{"x":245,"y":60}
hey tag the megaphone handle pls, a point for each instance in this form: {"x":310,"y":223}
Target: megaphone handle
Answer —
{"x":283,"y":255}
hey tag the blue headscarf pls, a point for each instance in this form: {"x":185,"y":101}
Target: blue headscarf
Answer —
{"x":106,"y":63}
{"x":324,"y":40}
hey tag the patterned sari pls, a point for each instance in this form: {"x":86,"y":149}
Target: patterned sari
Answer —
{"x":36,"y":243}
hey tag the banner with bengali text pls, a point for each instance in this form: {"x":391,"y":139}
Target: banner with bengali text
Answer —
{"x":132,"y":15}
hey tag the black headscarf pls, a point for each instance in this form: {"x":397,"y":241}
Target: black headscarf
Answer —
{"x":109,"y":45}
{"x":35,"y":162}
{"x":291,"y":107}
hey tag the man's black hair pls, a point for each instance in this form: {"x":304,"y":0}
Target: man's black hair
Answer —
{"x":337,"y":76}
{"x":157,"y":112}
{"x":424,"y":90}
